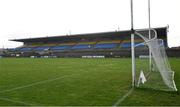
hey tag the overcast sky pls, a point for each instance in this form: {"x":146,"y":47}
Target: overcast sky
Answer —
{"x":39,"y":18}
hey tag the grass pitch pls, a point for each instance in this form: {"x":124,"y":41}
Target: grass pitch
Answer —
{"x":80,"y":82}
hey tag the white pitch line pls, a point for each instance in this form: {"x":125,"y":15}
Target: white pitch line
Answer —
{"x":36,"y":83}
{"x":15,"y":101}
{"x":119,"y":101}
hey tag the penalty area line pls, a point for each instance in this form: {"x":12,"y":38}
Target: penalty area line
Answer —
{"x":119,"y":101}
{"x":36,"y":83}
{"x":15,"y":101}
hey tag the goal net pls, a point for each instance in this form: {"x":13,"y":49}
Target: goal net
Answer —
{"x":152,"y":67}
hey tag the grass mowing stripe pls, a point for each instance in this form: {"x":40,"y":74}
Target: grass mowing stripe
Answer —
{"x":123,"y":98}
{"x":37,"y":83}
{"x":15,"y":101}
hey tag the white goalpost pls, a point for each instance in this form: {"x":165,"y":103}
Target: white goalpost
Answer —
{"x":152,"y":71}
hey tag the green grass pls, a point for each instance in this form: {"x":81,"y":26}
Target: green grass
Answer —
{"x":97,"y":82}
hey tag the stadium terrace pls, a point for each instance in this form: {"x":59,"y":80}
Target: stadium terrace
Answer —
{"x":104,"y":44}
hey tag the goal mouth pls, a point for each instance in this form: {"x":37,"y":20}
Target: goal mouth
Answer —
{"x":152,"y":62}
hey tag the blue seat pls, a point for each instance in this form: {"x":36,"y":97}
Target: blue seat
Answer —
{"x":128,"y":45}
{"x":25,"y":49}
{"x":61,"y":47}
{"x":17,"y":49}
{"x":42,"y":48}
{"x":106,"y":46}
{"x":11,"y":49}
{"x":82,"y":46}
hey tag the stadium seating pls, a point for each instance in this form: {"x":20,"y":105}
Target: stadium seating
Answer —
{"x":128,"y":45}
{"x":125,"y":45}
{"x":106,"y":46}
{"x":111,"y":44}
{"x":109,"y":41}
{"x":66,"y":44}
{"x":42,"y":48}
{"x":88,"y":43}
{"x":82,"y":46}
{"x":25,"y":49}
{"x":11,"y":49}
{"x":17,"y":49}
{"x":61,"y":47}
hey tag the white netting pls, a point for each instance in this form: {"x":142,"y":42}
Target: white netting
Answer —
{"x":161,"y":73}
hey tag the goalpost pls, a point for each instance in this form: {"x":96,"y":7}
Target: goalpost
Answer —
{"x":150,"y":66}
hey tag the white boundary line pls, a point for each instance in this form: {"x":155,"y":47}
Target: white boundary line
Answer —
{"x":37,"y":83}
{"x":119,"y":101}
{"x":15,"y":101}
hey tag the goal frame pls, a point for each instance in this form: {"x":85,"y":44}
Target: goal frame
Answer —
{"x":133,"y":43}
